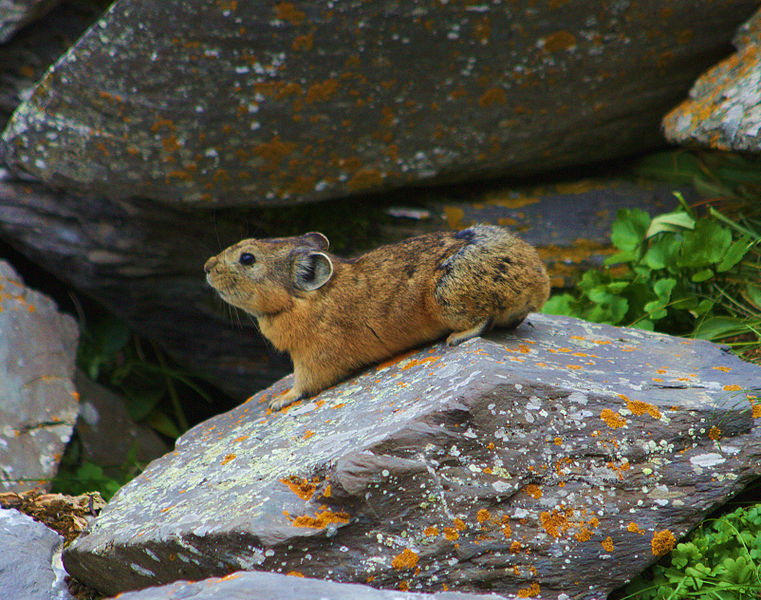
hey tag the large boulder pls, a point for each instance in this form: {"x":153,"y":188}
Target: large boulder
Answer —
{"x":38,"y":403}
{"x":558,"y":459}
{"x":30,"y":566}
{"x":722,"y":111}
{"x":197,"y":101}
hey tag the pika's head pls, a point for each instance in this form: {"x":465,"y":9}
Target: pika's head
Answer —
{"x":263,"y":276}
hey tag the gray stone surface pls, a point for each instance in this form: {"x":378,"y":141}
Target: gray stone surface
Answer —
{"x":230,"y":103}
{"x":102,"y":414}
{"x":15,"y":14}
{"x":549,"y":460}
{"x":723,"y":110}
{"x":38,"y":403}
{"x":30,"y":563}
{"x":245,"y":585}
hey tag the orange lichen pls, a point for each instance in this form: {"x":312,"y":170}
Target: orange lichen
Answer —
{"x":757,"y":411}
{"x":460,"y":524}
{"x":634,"y":528}
{"x":492,"y":96}
{"x":725,"y":369}
{"x":321,"y":520}
{"x":451,"y":534}
{"x":326,"y":492}
{"x":241,"y":438}
{"x":612,"y":419}
{"x":407,"y":559}
{"x":732,"y":388}
{"x":640,"y":408}
{"x":307,"y":434}
{"x":365,"y":179}
{"x":607,"y":544}
{"x":507,"y":531}
{"x":404,"y":585}
{"x":560,"y":40}
{"x":516,"y":547}
{"x":287,"y":11}
{"x":228,"y":458}
{"x":321,"y":91}
{"x":303,"y":488}
{"x":663,"y":542}
{"x":583,"y":535}
{"x":534,"y":491}
{"x":483,"y":516}
{"x":714,"y":433}
{"x":431,"y":531}
{"x":529,"y":592}
{"x":294,"y":574}
{"x":417,"y":362}
{"x":553,"y":522}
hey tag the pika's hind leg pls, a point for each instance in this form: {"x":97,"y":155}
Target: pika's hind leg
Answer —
{"x":457,"y":337}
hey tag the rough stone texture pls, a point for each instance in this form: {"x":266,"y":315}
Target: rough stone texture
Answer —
{"x":229,"y":103}
{"x":543,"y":461}
{"x":246,"y":585}
{"x":15,"y":14}
{"x":724,"y":107}
{"x":38,"y":404}
{"x":30,"y":564}
{"x":101,"y":414}
{"x":133,"y":257}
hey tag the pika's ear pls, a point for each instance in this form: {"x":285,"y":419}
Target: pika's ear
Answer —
{"x":316,"y":240}
{"x":311,"y":270}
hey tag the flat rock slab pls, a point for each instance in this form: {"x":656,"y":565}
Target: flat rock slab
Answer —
{"x":237,"y":103}
{"x":723,"y":111}
{"x":30,"y":565}
{"x":245,"y":585}
{"x":560,"y":458}
{"x":38,"y":403}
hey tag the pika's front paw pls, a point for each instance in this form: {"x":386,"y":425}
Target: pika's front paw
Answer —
{"x":283,"y":400}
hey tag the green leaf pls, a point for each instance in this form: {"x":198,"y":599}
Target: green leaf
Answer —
{"x":110,"y":336}
{"x":673,"y":221}
{"x":753,"y":295}
{"x":735,"y":254}
{"x":702,"y":275}
{"x":655,"y":310}
{"x":621,"y":257}
{"x":561,"y":304}
{"x":717,"y":328}
{"x":629,"y":228}
{"x":662,"y":252}
{"x":702,"y":308}
{"x":664,"y":287}
{"x":163,"y":424}
{"x":705,"y":245}
{"x":141,"y":403}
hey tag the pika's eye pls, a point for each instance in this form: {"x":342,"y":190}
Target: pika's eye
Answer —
{"x":247,"y":259}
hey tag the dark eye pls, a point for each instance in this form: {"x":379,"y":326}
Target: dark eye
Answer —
{"x":247,"y":259}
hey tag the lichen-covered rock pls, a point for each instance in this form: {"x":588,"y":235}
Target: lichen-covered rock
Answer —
{"x":38,"y":404}
{"x":30,"y":565}
{"x":224,"y":102}
{"x":560,"y":458}
{"x":724,"y":107}
{"x":245,"y":585}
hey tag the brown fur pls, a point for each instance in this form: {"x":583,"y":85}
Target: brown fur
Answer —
{"x":334,"y":315}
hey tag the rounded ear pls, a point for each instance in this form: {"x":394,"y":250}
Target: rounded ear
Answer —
{"x":311,"y":270}
{"x":317,"y":240}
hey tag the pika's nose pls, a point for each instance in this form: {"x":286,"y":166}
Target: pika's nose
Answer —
{"x":210,"y":264}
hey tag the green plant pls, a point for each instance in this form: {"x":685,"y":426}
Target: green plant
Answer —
{"x":721,"y":559}
{"x":678,"y":273}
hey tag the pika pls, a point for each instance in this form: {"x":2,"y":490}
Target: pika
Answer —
{"x":334,"y":315}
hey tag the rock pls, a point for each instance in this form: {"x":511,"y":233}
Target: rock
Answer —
{"x":38,"y":403}
{"x":32,"y":568}
{"x":238,"y":103}
{"x":101,"y":413}
{"x":561,"y":458}
{"x":722,"y":111}
{"x":15,"y":14}
{"x":26,"y":57}
{"x":244,"y":585}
